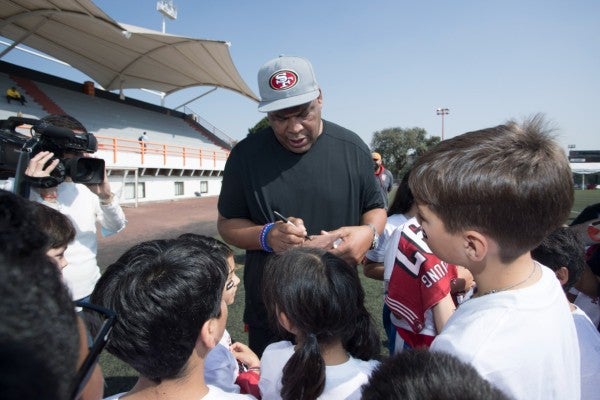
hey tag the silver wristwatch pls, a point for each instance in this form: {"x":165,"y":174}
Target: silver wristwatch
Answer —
{"x":375,"y":241}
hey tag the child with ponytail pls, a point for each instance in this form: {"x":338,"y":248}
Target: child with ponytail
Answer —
{"x":317,"y":298}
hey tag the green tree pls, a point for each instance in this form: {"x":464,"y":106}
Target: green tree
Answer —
{"x":400,"y":146}
{"x":260,"y":125}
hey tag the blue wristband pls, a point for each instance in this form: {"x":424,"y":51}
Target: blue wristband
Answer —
{"x":263,"y":237}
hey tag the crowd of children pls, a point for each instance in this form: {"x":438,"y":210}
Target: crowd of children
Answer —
{"x":478,"y":272}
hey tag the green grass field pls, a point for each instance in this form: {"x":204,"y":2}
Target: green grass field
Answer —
{"x":120,"y":377}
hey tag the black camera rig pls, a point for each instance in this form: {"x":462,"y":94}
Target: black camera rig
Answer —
{"x":17,"y":149}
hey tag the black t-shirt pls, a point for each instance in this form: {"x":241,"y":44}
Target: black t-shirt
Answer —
{"x":329,"y":186}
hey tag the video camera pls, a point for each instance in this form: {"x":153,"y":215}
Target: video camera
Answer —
{"x":17,"y":149}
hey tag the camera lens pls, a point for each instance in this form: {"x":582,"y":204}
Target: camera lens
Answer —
{"x":85,"y":170}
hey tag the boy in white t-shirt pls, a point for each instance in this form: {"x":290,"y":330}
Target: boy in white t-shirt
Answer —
{"x":485,"y":199}
{"x":563,"y":252}
{"x":223,"y":362}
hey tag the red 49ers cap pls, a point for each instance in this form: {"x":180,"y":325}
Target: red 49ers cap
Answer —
{"x":286,"y":82}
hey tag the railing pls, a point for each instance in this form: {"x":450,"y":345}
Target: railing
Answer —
{"x":121,"y":152}
{"x":128,"y":152}
{"x":208,"y":126}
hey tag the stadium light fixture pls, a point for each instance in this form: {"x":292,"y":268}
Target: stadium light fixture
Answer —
{"x":168,"y":10}
{"x":442,"y":112}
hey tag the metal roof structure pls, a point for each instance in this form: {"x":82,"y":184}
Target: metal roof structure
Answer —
{"x":118,"y":56}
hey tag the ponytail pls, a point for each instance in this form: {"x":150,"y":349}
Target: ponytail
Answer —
{"x":363,"y":340}
{"x":304,"y":373}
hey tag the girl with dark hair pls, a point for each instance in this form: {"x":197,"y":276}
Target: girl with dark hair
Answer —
{"x":318,"y":299}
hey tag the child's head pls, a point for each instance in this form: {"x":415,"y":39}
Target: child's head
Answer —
{"x":168,"y":298}
{"x":60,"y":231}
{"x":428,"y":375}
{"x":593,"y":259}
{"x":403,"y":199}
{"x":319,"y":299}
{"x":39,"y":328}
{"x":219,"y":249}
{"x":563,"y":252}
{"x":20,"y":232}
{"x":511,"y":183}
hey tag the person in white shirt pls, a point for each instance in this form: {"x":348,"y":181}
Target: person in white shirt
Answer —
{"x":317,"y":298}
{"x":485,"y":199}
{"x":86,"y":205}
{"x":401,"y":210}
{"x":223,"y":362}
{"x":563,"y":252}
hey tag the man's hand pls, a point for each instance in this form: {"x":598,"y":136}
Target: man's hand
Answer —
{"x":37,"y":165}
{"x":325,"y":240}
{"x":37,"y":169}
{"x":354,"y":244}
{"x":284,"y":236}
{"x":102,"y":190}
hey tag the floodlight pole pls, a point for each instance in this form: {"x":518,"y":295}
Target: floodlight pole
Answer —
{"x":168,"y":10}
{"x":442,"y":112}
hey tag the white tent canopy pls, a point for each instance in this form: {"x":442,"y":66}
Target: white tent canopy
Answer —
{"x":118,"y":56}
{"x":585,"y":168}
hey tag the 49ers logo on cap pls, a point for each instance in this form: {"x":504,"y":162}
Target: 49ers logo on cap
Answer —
{"x":283,"y":80}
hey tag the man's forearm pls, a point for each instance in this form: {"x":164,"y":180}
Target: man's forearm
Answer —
{"x":239,"y":232}
{"x":376,"y":217}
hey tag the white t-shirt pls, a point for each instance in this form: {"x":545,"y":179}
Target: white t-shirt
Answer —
{"x":589,"y":349}
{"x":220,"y":366}
{"x":393,"y":221}
{"x":523,"y":341}
{"x":589,"y":305}
{"x":342,"y":381}
{"x":214,"y":393}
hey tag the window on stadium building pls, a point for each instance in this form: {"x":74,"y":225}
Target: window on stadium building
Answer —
{"x":203,"y":186}
{"x":178,"y":188}
{"x":129,"y":190}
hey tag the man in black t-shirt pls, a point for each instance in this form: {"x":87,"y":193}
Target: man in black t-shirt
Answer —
{"x":317,"y":174}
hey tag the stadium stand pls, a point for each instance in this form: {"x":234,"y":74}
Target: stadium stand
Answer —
{"x":30,"y":110}
{"x":129,"y":122}
{"x":182,"y":158}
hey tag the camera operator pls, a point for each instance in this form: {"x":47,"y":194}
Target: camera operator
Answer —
{"x":85,"y":205}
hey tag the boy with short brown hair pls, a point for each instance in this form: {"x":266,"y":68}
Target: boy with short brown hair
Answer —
{"x":485,"y":199}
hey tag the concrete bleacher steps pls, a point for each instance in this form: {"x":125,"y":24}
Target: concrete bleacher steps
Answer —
{"x":203,"y":131}
{"x":110,"y":118}
{"x":31,"y":109}
{"x":34,"y":92}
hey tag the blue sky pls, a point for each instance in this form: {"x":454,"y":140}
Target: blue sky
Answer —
{"x":390,"y":63}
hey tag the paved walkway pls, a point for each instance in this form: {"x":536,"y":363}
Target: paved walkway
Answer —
{"x":159,"y":221}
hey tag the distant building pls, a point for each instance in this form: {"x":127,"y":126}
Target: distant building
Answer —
{"x":584,"y":156}
{"x":585,"y":165}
